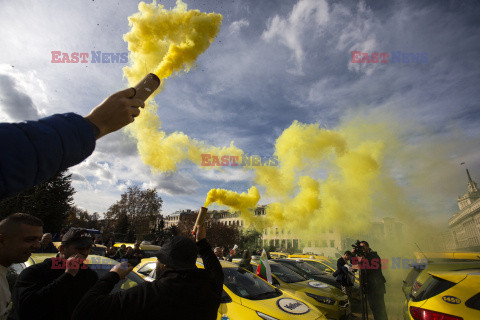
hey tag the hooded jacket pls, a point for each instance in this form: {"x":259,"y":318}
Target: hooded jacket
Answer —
{"x":175,"y":294}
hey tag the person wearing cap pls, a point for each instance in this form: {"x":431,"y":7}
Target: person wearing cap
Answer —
{"x":52,"y":289}
{"x":180,"y":290}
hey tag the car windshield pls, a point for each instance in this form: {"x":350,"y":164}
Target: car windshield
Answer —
{"x":247,"y":285}
{"x":318,"y":265}
{"x":412,"y":275}
{"x":285,"y":274}
{"x":306,"y":268}
{"x":147,"y":268}
{"x":432,"y":287}
{"x":130,"y":281}
{"x":330,"y":264}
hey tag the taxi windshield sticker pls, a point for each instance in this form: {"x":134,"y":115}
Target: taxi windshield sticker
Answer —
{"x":317,"y":284}
{"x":451,"y":299}
{"x":292,"y":306}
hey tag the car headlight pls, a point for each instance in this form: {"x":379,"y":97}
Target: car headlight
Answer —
{"x":321,"y":299}
{"x":266,"y":317}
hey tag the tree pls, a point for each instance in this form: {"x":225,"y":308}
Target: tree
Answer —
{"x":218,"y":234}
{"x":80,"y":218}
{"x":50,"y":201}
{"x":122,"y":226}
{"x":250,"y":239}
{"x":140,"y":207}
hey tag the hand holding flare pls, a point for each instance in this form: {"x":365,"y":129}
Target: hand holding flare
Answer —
{"x":199,"y":227}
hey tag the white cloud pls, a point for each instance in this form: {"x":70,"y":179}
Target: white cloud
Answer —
{"x":22,"y":95}
{"x":358,"y":34}
{"x":236,"y":26}
{"x":227,"y":174}
{"x":291,"y":31}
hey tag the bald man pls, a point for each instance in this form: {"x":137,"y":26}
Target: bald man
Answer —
{"x":46,"y":245}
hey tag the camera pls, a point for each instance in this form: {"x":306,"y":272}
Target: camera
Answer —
{"x":357,"y":250}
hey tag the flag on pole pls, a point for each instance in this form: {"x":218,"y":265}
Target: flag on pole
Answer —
{"x":263,"y":269}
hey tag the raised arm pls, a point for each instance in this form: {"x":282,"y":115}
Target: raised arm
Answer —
{"x":33,"y":151}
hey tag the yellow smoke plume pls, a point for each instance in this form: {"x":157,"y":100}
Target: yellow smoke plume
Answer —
{"x":167,"y":42}
{"x":324,"y":178}
{"x":308,"y":204}
{"x":238,"y":202}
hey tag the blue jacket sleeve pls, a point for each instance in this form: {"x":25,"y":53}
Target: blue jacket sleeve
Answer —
{"x":33,"y":151}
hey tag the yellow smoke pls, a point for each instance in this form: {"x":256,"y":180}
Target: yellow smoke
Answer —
{"x":306,"y":204}
{"x":324,"y":178}
{"x":167,"y":42}
{"x":238,"y":202}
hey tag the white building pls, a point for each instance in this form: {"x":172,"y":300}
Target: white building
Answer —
{"x":328,"y":241}
{"x":465,"y":224}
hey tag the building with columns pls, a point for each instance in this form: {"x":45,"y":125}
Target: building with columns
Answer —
{"x":328,"y":242}
{"x":464,"y":225}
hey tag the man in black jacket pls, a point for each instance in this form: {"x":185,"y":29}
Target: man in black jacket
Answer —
{"x":375,"y":281}
{"x":51,"y":289}
{"x":342,"y":275}
{"x":180,"y":290}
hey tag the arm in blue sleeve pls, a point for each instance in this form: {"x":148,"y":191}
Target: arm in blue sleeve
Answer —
{"x":33,"y":151}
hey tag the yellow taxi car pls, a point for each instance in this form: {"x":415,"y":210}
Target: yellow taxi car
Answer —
{"x":148,"y":249}
{"x":332,"y":302}
{"x":311,"y":256}
{"x":275,"y":255}
{"x":447,"y":295}
{"x":326,"y":266}
{"x":101,"y":265}
{"x":420,"y":272}
{"x":309,"y":272}
{"x":448,"y":256}
{"x":145,"y":268}
{"x":320,"y":264}
{"x":246,"y":296}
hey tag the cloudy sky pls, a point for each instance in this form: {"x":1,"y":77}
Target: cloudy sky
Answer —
{"x":272,"y":63}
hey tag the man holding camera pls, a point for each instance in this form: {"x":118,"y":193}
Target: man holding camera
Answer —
{"x":370,"y":261}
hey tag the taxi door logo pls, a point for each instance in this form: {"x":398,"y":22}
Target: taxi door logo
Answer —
{"x":292,"y":306}
{"x":451,"y":299}
{"x":316,"y":284}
